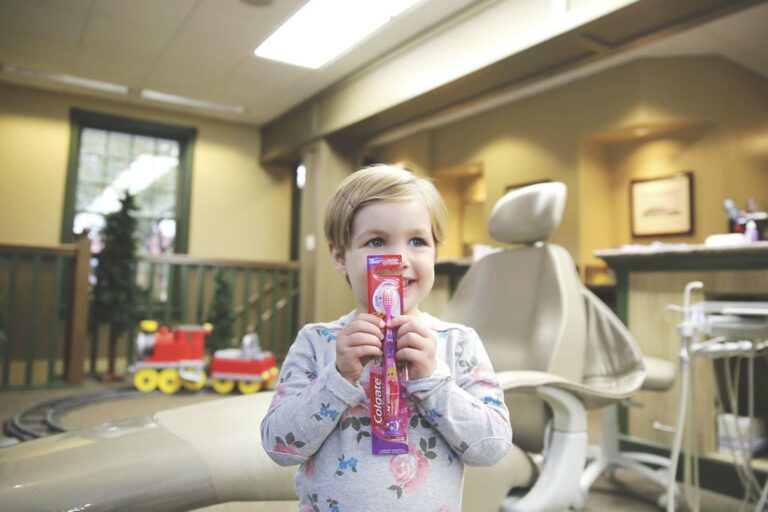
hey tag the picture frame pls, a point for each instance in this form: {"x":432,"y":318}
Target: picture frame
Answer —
{"x":662,"y":206}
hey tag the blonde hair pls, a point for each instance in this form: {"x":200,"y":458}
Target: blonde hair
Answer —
{"x":380,"y":183}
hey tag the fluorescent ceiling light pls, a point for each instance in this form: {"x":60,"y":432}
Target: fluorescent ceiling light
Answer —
{"x":190,"y":102}
{"x":324,"y":29}
{"x":77,"y":81}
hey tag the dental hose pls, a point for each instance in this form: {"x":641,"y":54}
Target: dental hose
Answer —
{"x":686,"y":330}
{"x":678,"y":439}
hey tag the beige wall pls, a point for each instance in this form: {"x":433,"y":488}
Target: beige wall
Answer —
{"x":325,"y":294}
{"x":239,"y":209}
{"x":709,"y":114}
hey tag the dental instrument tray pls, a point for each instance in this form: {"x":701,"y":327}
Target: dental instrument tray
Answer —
{"x":736,"y":320}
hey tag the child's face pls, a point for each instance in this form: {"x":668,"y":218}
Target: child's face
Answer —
{"x":391,"y":227}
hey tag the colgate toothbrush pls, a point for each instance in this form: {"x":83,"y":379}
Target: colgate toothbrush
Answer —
{"x":391,"y":384}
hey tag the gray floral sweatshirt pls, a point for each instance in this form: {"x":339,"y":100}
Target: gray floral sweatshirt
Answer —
{"x":321,"y":421}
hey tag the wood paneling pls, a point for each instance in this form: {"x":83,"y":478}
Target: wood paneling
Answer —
{"x":655,"y":328}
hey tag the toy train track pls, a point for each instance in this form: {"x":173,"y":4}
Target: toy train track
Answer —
{"x":43,"y":418}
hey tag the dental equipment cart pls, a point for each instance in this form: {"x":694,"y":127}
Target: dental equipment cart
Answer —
{"x":719,"y":330}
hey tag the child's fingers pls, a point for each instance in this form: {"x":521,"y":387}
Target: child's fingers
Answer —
{"x":411,"y":325}
{"x":410,"y":355}
{"x":361,"y":339}
{"x":416,"y":341}
{"x":361,"y":351}
{"x":363,"y":327}
{"x":398,"y":321}
{"x":370,"y":318}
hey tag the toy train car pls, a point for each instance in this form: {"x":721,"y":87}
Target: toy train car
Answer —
{"x":172,"y":359}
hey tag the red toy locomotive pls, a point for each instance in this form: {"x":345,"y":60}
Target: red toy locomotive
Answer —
{"x":172,"y":359}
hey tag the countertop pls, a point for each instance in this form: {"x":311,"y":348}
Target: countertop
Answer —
{"x":686,"y":256}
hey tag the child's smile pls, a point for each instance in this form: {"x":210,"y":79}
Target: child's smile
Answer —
{"x":391,"y":227}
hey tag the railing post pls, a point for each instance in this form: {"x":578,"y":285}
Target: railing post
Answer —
{"x":78,"y":332}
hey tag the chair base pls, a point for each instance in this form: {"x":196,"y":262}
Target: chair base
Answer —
{"x":608,"y":457}
{"x":558,"y":480}
{"x":557,"y":486}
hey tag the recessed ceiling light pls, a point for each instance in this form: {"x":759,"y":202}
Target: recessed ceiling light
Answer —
{"x":190,"y":102}
{"x":64,"y":79}
{"x":641,"y":132}
{"x":324,"y":29}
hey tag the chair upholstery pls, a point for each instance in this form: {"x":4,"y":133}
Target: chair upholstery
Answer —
{"x":186,"y":458}
{"x":543,"y":330}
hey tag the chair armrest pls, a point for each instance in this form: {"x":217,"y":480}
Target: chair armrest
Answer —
{"x":593,"y":396}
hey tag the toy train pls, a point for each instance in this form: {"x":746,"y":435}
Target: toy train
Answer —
{"x":172,"y":359}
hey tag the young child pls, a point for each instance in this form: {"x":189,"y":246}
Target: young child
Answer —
{"x":320,"y":418}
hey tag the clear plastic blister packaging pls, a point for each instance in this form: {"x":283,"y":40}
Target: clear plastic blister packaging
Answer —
{"x":389,"y":401}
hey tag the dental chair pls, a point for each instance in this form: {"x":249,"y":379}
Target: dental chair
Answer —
{"x":557,"y":349}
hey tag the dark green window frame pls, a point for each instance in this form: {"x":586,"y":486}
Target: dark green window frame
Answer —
{"x":184,"y":135}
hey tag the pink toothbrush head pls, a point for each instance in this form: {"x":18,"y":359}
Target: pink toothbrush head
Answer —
{"x":388,"y":300}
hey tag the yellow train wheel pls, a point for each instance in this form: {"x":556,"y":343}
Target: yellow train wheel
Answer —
{"x":169,"y":381}
{"x":271,"y":381}
{"x":247,"y":387}
{"x":145,"y":380}
{"x":223,"y":386}
{"x":194,"y":385}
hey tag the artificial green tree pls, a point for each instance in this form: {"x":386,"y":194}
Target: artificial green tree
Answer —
{"x":116,"y":295}
{"x":221,"y":314}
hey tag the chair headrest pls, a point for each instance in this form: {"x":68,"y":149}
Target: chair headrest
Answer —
{"x":529,"y":214}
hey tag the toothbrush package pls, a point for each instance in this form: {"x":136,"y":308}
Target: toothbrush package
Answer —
{"x":389,"y":399}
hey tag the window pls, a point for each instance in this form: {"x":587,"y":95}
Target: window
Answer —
{"x":110,"y":155}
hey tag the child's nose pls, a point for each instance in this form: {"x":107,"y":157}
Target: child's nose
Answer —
{"x":405,"y":262}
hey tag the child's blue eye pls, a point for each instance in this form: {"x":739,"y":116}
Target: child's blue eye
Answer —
{"x":418,"y":242}
{"x":375,"y":242}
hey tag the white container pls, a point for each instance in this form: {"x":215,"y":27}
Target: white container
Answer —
{"x":731,"y":429}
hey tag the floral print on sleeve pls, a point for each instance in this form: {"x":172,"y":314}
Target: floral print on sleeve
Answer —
{"x":472,"y":401}
{"x":307,"y":405}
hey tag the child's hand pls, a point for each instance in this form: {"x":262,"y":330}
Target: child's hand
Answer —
{"x":357,"y":343}
{"x":416,"y":345}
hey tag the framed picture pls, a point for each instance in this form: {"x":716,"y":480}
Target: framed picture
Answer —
{"x":662,"y":206}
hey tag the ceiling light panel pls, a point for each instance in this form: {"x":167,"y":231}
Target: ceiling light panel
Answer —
{"x":64,"y":79}
{"x":324,"y":29}
{"x":190,"y":102}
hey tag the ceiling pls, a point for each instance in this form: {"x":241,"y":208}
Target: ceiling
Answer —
{"x":203,"y":49}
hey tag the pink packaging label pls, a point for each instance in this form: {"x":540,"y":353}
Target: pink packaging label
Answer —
{"x":389,"y":399}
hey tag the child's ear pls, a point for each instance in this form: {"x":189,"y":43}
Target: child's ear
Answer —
{"x":337,"y":257}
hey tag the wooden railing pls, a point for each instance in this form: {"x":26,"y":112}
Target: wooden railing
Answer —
{"x":45,"y":334}
{"x":43,"y":313}
{"x":179,"y":289}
